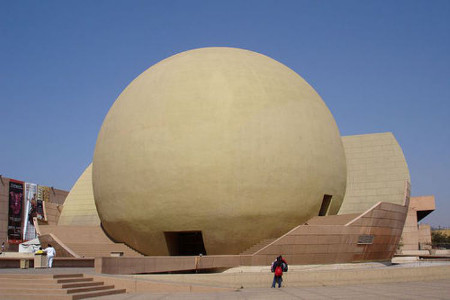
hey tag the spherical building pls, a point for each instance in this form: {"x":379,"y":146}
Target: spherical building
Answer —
{"x":214,"y":150}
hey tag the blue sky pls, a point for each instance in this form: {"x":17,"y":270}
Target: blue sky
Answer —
{"x":379,"y":65}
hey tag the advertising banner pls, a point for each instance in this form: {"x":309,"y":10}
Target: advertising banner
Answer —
{"x":15,"y":211}
{"x":43,"y":194}
{"x":29,"y":232}
{"x":39,"y":203}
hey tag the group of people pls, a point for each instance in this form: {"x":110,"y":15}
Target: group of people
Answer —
{"x":278,"y":267}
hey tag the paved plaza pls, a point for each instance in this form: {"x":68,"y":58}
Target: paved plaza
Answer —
{"x":438,"y":289}
{"x":424,"y":281}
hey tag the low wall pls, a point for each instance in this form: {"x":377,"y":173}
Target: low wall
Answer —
{"x":305,"y":278}
{"x":144,"y":285}
{"x":371,"y":236}
{"x":160,"y":264}
{"x":58,"y":262}
{"x":335,"y":243}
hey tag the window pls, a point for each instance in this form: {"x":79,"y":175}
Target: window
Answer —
{"x":325,"y":205}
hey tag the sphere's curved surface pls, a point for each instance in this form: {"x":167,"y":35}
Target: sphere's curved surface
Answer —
{"x":224,"y":141}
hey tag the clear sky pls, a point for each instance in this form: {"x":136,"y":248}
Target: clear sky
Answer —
{"x":379,"y":65}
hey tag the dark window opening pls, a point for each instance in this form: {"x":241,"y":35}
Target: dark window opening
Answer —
{"x":185,"y":243}
{"x":325,"y":205}
{"x":365,"y":239}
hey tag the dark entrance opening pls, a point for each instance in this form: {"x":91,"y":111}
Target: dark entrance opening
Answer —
{"x":325,"y":205}
{"x":185,"y":243}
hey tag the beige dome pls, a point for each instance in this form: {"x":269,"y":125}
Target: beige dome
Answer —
{"x":223,"y":141}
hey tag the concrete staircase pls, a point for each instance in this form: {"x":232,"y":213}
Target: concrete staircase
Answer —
{"x":84,"y":241}
{"x":52,"y":286}
{"x":257,"y":247}
{"x":99,"y":250}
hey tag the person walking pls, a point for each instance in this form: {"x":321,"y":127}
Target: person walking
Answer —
{"x":278,"y":266}
{"x":51,"y":253}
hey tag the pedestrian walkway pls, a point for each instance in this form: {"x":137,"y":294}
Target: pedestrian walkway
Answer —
{"x":419,"y":280}
{"x":438,"y":289}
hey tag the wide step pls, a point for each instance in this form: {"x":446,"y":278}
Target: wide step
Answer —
{"x":35,"y":297}
{"x":74,"y":280}
{"x":90,"y":289}
{"x":49,"y":287}
{"x":257,"y":247}
{"x":98,"y":294}
{"x":6,"y":291}
{"x":80,"y":284}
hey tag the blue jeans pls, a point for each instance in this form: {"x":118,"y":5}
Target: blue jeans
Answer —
{"x":277,"y":280}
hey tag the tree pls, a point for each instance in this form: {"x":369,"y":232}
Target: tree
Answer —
{"x":439,"y":239}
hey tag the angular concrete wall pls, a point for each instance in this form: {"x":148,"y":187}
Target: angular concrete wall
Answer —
{"x":52,"y":212}
{"x":417,"y":237}
{"x":424,"y":236}
{"x":79,"y":208}
{"x":371,"y":236}
{"x":376,"y":171}
{"x":81,"y":241}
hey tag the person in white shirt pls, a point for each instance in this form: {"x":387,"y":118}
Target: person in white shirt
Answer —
{"x":50,"y":254}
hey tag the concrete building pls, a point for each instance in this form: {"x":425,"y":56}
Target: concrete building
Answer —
{"x":417,"y":236}
{"x":228,"y":153}
{"x":44,"y":203}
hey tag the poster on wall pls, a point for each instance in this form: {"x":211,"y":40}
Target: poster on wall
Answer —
{"x":39,"y":204}
{"x":29,"y":232}
{"x":15,"y":211}
{"x":46,"y":193}
{"x":43,"y":194}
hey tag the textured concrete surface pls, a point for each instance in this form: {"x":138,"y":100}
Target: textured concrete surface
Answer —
{"x":320,"y":243}
{"x":437,"y":289}
{"x":306,"y":244}
{"x":415,"y":234}
{"x":363,"y":286}
{"x":219,"y":140}
{"x":343,"y":275}
{"x":90,"y":241}
{"x":376,"y":171}
{"x":79,"y":207}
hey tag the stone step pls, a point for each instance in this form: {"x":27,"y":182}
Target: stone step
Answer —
{"x":57,"y":286}
{"x":98,"y":293}
{"x":67,"y":275}
{"x":45,"y":281}
{"x":74,"y":280}
{"x":35,"y":297}
{"x":30,"y":280}
{"x":257,"y":246}
{"x":89,"y":289}
{"x":81,"y":284}
{"x":25,"y":276}
{"x":55,"y":290}
{"x":37,"y":285}
{"x":26,"y":290}
{"x":39,"y":276}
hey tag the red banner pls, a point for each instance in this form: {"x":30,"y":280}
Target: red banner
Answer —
{"x":15,"y":211}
